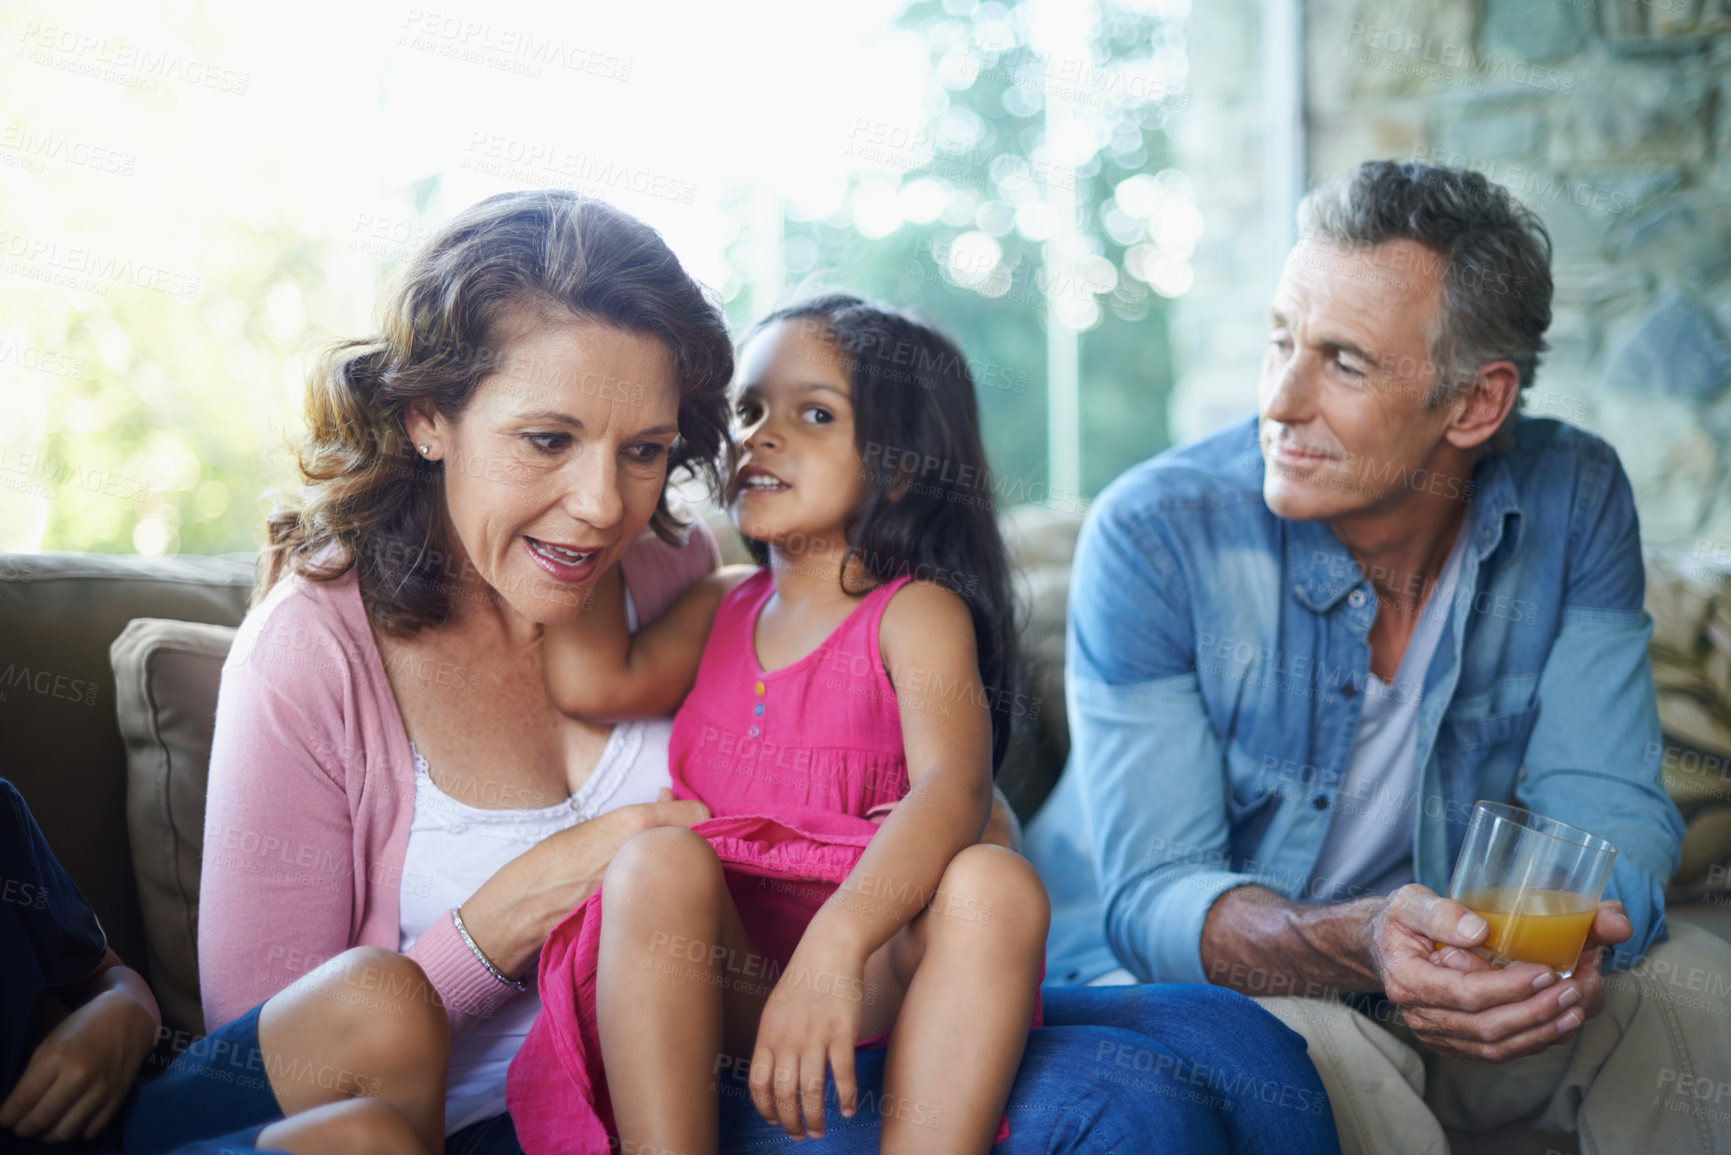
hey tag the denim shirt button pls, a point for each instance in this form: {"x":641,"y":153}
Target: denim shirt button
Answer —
{"x":1347,"y":689}
{"x":1355,"y":598}
{"x":1321,"y":802}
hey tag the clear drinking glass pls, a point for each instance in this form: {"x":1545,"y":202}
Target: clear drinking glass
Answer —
{"x":1537,"y":882}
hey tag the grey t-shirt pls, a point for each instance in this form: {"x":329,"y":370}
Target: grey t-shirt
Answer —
{"x":1368,"y":849}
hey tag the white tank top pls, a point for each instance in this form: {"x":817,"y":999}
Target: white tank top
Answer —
{"x":457,"y":847}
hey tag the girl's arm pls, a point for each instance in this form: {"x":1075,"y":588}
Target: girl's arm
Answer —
{"x":927,"y":640}
{"x":598,"y":669}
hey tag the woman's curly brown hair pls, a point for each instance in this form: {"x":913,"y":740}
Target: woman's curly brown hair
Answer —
{"x":368,"y":494}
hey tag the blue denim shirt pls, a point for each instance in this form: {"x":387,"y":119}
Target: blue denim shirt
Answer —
{"x":1217,"y":658}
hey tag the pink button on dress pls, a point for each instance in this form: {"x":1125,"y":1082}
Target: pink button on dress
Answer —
{"x":792,"y":763}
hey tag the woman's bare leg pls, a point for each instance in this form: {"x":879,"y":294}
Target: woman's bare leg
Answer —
{"x":676,"y":1001}
{"x":970,"y":969}
{"x":366,"y":1025}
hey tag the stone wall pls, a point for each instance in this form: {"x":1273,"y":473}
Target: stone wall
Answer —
{"x":1611,"y":119}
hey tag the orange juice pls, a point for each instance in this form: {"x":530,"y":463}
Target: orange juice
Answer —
{"x":1538,"y":926}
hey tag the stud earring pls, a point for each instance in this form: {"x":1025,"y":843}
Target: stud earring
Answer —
{"x":424,"y":449}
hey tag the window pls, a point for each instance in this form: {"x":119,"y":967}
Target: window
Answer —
{"x":193,"y":207}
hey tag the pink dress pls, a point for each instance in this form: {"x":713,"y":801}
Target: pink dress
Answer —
{"x":791,"y":762}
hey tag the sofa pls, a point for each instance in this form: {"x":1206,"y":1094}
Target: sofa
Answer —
{"x":109,"y":668}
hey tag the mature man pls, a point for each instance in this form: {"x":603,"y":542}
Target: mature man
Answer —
{"x":1301,"y":649}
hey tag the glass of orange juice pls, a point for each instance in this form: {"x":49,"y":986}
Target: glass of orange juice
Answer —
{"x":1537,"y":882}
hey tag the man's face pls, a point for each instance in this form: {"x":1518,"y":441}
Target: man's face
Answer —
{"x":1346,"y":426}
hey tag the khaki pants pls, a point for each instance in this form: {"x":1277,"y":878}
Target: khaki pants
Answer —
{"x":1650,"y":1073}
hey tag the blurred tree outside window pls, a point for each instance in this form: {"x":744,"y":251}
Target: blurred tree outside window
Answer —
{"x":194,"y":199}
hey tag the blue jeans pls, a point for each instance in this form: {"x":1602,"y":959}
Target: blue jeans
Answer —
{"x":1266,"y":1093}
{"x":1179,"y":1068}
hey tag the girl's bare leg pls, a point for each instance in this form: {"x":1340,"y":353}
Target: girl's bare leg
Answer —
{"x":678,"y":991}
{"x":366,"y":1025}
{"x":351,"y":1127}
{"x":969,"y":966}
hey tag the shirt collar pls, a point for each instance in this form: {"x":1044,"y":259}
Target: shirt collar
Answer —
{"x":1323,"y":572}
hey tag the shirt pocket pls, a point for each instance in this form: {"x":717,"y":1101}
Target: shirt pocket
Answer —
{"x":1463,"y":734}
{"x":1252,"y":799}
{"x":1480,"y":756}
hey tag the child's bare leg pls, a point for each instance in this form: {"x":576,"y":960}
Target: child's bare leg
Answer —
{"x":351,"y":1127}
{"x":672,"y":998}
{"x":974,"y":957}
{"x":366,"y":1024}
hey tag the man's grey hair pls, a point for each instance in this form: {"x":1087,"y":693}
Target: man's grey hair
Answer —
{"x":1494,"y":253}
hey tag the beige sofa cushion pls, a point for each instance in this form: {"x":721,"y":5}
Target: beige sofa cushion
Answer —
{"x":165,"y":681}
{"x":59,"y":614}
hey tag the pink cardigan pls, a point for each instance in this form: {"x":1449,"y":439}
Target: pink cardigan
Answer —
{"x":312,"y":791}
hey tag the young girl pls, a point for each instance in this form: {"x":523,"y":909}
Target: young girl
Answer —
{"x":849,"y":683}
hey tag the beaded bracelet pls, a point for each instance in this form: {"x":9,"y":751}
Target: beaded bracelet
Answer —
{"x":514,"y":984}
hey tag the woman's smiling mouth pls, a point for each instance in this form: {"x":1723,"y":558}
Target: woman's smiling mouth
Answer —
{"x":560,"y":562}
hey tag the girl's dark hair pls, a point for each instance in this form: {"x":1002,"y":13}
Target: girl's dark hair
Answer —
{"x":380,"y":504}
{"x":928,"y":510}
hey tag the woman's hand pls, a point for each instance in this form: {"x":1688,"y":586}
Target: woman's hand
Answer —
{"x":82,"y":1071}
{"x":513,"y":912}
{"x":579,"y":856}
{"x":811,"y":1021}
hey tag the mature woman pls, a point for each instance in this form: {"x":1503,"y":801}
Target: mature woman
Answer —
{"x":544,"y":367}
